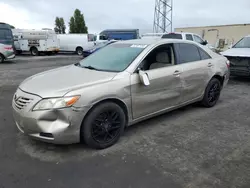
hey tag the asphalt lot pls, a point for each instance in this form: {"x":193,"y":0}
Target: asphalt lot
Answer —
{"x":193,"y":147}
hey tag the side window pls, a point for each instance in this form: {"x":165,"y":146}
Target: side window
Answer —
{"x":188,"y":53}
{"x":189,"y":37}
{"x":102,"y":37}
{"x":162,"y":56}
{"x":204,"y":55}
{"x":198,"y":39}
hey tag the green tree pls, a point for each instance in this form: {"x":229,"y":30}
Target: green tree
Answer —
{"x":77,"y":23}
{"x":60,"y":25}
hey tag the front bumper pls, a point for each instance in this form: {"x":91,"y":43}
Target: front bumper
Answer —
{"x":60,"y":126}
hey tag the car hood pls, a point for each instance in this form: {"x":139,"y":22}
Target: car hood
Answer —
{"x":58,"y":82}
{"x":237,"y":52}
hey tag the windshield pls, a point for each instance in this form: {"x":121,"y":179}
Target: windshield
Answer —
{"x":6,"y":36}
{"x":243,"y":43}
{"x":115,"y":58}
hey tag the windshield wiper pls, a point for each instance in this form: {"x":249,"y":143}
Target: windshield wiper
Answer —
{"x":77,"y":64}
{"x":90,"y":67}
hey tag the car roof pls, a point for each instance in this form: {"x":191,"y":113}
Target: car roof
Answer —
{"x":153,"y":41}
{"x":182,"y":33}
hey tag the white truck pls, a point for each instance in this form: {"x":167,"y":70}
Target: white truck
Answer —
{"x":187,"y":36}
{"x":152,"y":35}
{"x":79,"y":42}
{"x":35,"y":41}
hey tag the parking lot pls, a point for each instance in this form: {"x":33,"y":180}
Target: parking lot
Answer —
{"x":192,"y":147}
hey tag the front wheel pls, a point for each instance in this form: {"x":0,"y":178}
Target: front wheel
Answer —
{"x":212,"y":93}
{"x":103,"y":126}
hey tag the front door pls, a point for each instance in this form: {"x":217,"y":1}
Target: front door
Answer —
{"x":165,"y":87}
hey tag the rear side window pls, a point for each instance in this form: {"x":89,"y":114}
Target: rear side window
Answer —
{"x":189,"y":37}
{"x":204,"y":54}
{"x":188,"y":53}
{"x":172,"y":36}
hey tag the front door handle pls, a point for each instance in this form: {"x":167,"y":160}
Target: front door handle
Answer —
{"x":209,"y":64}
{"x":177,"y":73}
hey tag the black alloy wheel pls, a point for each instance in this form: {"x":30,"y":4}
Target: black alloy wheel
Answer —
{"x":103,"y":125}
{"x":106,"y":126}
{"x":212,"y":93}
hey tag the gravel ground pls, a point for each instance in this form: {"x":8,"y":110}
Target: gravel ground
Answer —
{"x":192,"y":147}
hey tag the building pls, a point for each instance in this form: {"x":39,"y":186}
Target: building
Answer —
{"x":220,"y":36}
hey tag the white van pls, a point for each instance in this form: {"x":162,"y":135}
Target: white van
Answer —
{"x":79,"y":42}
{"x":35,"y":41}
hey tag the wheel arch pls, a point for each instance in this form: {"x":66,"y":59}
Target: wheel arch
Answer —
{"x":119,"y":102}
{"x":78,"y":47}
{"x":220,"y":78}
{"x":33,"y":47}
{"x":2,"y":55}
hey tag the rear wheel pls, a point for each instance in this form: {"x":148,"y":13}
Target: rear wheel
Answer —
{"x":1,"y":58}
{"x":212,"y":93}
{"x":34,"y":51}
{"x":79,"y":50}
{"x":18,"y":52}
{"x":103,"y":126}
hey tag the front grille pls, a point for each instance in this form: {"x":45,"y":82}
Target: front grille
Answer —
{"x":21,"y":102}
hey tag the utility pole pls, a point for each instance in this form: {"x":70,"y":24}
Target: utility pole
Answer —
{"x":163,"y":16}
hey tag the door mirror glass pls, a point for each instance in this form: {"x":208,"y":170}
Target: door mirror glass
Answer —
{"x":144,"y":78}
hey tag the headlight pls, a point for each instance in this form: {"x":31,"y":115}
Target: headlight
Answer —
{"x":55,"y":103}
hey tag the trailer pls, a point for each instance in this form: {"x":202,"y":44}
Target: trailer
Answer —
{"x":35,"y":41}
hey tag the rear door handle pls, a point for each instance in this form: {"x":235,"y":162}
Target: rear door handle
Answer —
{"x":176,"y":73}
{"x":209,"y":64}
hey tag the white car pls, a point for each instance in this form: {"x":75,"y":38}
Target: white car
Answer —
{"x":239,"y":57}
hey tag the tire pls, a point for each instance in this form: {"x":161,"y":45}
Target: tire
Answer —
{"x":18,"y":52}
{"x":103,"y":126}
{"x":79,"y":51}
{"x":212,"y":93}
{"x":1,"y":58}
{"x":34,"y":51}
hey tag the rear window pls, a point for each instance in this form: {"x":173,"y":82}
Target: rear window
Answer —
{"x":6,"y":36}
{"x":172,"y":36}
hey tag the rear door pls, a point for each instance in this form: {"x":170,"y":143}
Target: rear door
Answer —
{"x":195,"y":65}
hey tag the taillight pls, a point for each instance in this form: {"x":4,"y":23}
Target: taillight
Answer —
{"x":228,"y":63}
{"x":88,"y":37}
{"x":8,"y":48}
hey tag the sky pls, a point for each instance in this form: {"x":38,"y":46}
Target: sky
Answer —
{"x":116,"y":14}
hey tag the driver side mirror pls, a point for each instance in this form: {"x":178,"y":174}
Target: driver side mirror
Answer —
{"x":205,"y":42}
{"x":144,"y":78}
